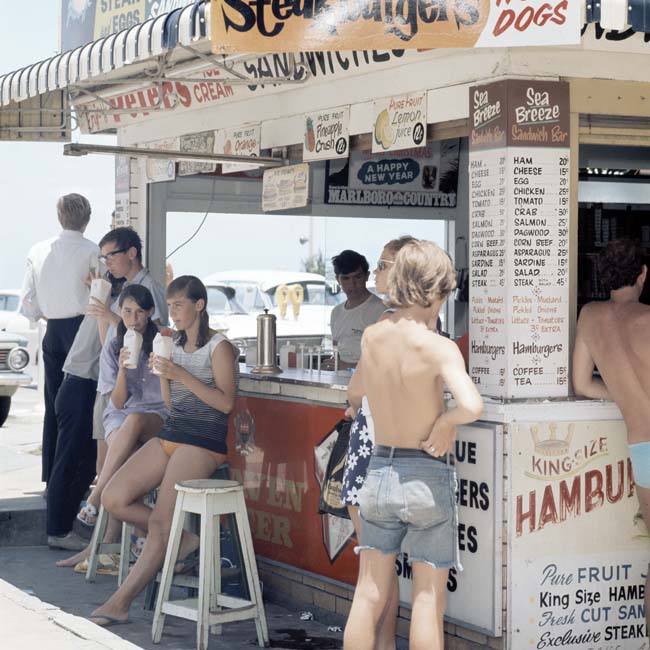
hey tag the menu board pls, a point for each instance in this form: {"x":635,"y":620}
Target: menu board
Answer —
{"x":327,"y":134}
{"x":122,"y":191}
{"x":579,"y":547}
{"x":519,"y":252}
{"x":284,"y":188}
{"x":202,"y":142}
{"x":158,"y":169}
{"x":400,"y":122}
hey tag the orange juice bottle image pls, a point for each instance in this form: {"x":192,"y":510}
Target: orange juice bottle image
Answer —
{"x":310,"y":138}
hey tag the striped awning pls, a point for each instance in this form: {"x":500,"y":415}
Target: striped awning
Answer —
{"x":157,"y":36}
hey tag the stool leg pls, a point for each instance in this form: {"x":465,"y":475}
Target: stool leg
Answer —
{"x":206,"y":571}
{"x":96,"y":543}
{"x":125,"y":552}
{"x":251,"y":571}
{"x":216,"y":569}
{"x":168,"y":568}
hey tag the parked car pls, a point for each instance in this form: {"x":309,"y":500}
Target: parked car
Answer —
{"x":14,"y":357}
{"x":236,"y":298}
{"x":11,"y":320}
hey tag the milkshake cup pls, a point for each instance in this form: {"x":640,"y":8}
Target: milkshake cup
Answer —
{"x":100,"y":289}
{"x":133,"y":343}
{"x":162,"y":347}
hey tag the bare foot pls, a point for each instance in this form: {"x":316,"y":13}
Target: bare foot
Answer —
{"x":75,"y":559}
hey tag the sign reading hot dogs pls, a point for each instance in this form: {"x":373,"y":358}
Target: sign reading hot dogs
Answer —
{"x":294,"y":26}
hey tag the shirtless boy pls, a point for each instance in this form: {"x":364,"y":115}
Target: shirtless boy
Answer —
{"x":613,"y":336}
{"x":407,"y":501}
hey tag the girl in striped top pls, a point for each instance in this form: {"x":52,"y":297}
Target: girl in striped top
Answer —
{"x":198,"y":385}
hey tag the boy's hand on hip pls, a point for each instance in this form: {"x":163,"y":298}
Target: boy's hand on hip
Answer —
{"x":441,"y":439}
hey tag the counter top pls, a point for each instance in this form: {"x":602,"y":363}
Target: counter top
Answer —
{"x":549,"y":410}
{"x":312,"y":385}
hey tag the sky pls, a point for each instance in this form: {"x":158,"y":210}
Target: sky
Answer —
{"x":34,"y":175}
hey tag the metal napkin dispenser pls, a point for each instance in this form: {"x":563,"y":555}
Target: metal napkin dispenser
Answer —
{"x":266,"y":345}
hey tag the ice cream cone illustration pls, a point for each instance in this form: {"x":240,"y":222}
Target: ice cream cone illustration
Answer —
{"x":310,"y":138}
{"x":282,"y":299}
{"x":296,"y":296}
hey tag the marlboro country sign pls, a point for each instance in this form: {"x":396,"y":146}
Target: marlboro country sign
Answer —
{"x":340,"y":25}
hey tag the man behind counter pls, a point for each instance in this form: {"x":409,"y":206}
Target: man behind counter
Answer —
{"x":361,"y":309}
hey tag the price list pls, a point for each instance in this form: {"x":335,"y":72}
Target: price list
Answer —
{"x":487,"y":279}
{"x":537,"y":269}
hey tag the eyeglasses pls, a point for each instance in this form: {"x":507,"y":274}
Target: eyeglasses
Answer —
{"x":111,"y":255}
{"x":382,"y":264}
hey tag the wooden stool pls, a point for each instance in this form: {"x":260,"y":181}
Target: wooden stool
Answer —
{"x":210,"y":499}
{"x":97,"y":546}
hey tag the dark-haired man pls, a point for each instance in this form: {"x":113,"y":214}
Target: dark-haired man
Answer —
{"x":361,"y":308}
{"x":74,"y":465}
{"x":613,"y":336}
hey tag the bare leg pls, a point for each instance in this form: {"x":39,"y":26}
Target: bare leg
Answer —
{"x":102,"y":448}
{"x":428,"y":607}
{"x":643,"y":495}
{"x":376,"y":574}
{"x":137,"y":428}
{"x":186,"y":463}
{"x":388,"y":621}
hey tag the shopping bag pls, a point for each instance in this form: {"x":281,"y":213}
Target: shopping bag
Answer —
{"x":330,"y":494}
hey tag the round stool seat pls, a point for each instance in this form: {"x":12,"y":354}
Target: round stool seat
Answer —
{"x":208,"y":486}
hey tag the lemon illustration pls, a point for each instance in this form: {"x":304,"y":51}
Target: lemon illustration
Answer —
{"x":388,"y":137}
{"x":380,"y":125}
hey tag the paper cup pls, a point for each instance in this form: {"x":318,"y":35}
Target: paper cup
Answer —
{"x":133,"y":343}
{"x":100,"y":289}
{"x":162,"y":347}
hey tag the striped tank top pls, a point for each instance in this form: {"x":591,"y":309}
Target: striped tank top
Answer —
{"x":191,"y":420}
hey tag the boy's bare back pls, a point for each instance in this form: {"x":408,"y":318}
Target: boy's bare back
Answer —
{"x":403,"y":366}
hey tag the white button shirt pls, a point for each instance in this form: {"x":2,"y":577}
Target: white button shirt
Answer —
{"x":55,"y":280}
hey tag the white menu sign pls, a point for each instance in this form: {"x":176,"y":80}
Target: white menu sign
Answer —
{"x":202,"y":142}
{"x":327,"y":134}
{"x":519,"y":209}
{"x":240,"y":141}
{"x":400,"y":122}
{"x":285,"y":188}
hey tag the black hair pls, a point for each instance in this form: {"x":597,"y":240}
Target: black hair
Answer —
{"x":117,"y":284}
{"x":620,"y":263}
{"x":143,"y":298}
{"x":193,"y":289}
{"x":348,"y":262}
{"x":125,"y":238}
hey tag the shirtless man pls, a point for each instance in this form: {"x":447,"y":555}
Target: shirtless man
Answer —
{"x":407,"y":501}
{"x":613,"y":336}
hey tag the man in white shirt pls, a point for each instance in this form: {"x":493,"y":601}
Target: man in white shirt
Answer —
{"x":55,"y":289}
{"x":74,"y":465}
{"x":361,"y":309}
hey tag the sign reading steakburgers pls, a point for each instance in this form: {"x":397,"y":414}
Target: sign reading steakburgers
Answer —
{"x":307,"y":25}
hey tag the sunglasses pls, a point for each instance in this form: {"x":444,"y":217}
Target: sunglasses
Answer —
{"x":111,"y":255}
{"x":383,"y":264}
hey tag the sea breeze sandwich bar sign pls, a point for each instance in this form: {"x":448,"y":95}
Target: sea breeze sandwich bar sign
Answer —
{"x":309,"y":25}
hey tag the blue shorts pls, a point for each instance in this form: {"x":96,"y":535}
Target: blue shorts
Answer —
{"x":408,"y":503}
{"x":640,"y":457}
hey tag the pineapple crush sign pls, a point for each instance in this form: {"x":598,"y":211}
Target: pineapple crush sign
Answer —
{"x":400,"y":122}
{"x":327,"y":134}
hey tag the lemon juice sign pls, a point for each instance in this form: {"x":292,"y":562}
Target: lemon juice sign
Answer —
{"x":400,"y":122}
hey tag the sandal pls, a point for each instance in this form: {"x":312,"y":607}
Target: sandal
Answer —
{"x":187,"y":564}
{"x":88,"y":514}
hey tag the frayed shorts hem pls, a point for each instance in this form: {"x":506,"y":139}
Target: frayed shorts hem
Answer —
{"x":436,"y":565}
{"x":365,"y":547}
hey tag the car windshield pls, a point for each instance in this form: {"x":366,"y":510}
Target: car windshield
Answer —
{"x":222,"y":300}
{"x":315,"y":293}
{"x":8,"y":303}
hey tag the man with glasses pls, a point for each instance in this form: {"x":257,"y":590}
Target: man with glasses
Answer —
{"x":361,"y":308}
{"x":55,"y":289}
{"x":75,"y":461}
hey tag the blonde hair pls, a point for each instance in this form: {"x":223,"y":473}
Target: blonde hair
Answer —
{"x":396,"y":245}
{"x":73,"y":211}
{"x":422,"y":274}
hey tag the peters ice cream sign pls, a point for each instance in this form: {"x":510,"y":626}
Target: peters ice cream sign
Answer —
{"x":342,"y":25}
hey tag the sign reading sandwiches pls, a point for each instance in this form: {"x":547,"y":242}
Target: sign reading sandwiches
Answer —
{"x":343,"y":25}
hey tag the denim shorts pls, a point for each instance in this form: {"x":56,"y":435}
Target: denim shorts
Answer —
{"x":408,"y":503}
